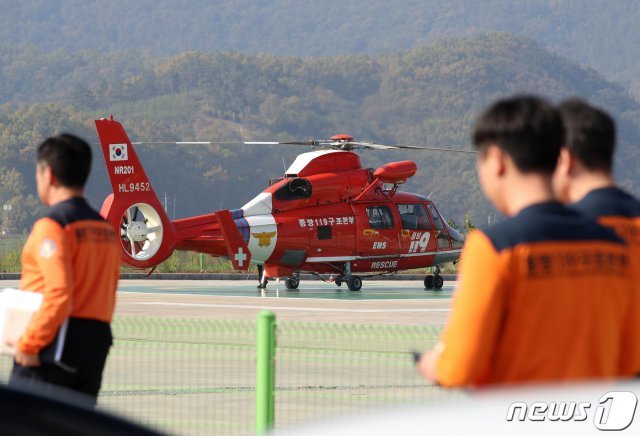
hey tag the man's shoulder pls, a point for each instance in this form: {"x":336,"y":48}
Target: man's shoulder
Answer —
{"x":548,"y":222}
{"x":609,"y":202}
{"x":72,"y":210}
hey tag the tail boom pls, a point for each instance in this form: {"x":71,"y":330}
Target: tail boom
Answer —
{"x":147,"y":235}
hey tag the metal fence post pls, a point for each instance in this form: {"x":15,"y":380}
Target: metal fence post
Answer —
{"x":265,"y":371}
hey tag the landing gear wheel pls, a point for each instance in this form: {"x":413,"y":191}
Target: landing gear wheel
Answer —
{"x":428,"y":282}
{"x":338,"y":281}
{"x":354,"y":283}
{"x":291,"y":283}
{"x":438,"y":281}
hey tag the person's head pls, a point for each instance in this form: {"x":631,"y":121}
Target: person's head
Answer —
{"x":63,"y":163}
{"x":516,"y":137}
{"x":588,"y":149}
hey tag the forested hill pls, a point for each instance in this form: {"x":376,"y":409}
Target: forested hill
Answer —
{"x":429,"y":95}
{"x":602,"y":34}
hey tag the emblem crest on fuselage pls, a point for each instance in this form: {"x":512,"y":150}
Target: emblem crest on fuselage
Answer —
{"x":264,"y":238}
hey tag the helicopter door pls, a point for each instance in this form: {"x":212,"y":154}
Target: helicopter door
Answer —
{"x":377,"y":230}
{"x":441,"y":234}
{"x":416,"y":229}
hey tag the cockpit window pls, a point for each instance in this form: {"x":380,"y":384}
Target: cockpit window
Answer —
{"x":380,"y":217}
{"x":437,"y":221}
{"x":414,"y":217}
{"x":295,"y":189}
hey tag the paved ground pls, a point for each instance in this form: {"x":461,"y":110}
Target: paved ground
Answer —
{"x":388,"y":302}
{"x":187,"y":388}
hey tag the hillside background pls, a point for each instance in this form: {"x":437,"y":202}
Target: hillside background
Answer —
{"x":404,"y":72}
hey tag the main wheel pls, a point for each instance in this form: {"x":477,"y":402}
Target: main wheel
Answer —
{"x":438,"y":281}
{"x":354,"y":283}
{"x":428,"y":282}
{"x":291,"y":283}
{"x":338,"y":281}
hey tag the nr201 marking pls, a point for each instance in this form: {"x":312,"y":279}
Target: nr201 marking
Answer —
{"x":123,"y":169}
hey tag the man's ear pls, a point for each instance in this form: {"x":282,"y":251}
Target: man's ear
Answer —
{"x":497,"y":160}
{"x":566,"y":162}
{"x":50,"y":176}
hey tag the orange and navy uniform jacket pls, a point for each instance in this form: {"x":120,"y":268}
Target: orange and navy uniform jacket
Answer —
{"x":615,"y":208}
{"x":72,"y":257}
{"x":542,"y":296}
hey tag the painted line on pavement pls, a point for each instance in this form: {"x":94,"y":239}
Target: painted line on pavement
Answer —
{"x":301,"y":309}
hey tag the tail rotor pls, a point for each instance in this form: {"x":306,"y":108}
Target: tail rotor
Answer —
{"x":141,"y":231}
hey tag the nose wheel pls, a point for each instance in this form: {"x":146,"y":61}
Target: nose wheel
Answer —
{"x":434,"y":281}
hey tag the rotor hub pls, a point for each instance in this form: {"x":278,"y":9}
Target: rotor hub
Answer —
{"x":137,"y":231}
{"x":342,"y":137}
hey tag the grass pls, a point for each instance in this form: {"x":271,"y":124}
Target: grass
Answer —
{"x":10,"y":254}
{"x":188,"y":262}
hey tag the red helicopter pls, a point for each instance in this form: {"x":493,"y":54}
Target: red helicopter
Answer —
{"x":327,"y":214}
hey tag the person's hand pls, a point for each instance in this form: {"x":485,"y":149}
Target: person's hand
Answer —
{"x":427,"y":365}
{"x":428,"y":362}
{"x":26,"y":359}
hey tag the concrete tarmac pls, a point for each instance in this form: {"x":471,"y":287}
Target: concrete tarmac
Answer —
{"x":379,"y":302}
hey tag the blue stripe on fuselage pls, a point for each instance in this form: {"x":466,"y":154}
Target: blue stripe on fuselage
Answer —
{"x":243,"y":228}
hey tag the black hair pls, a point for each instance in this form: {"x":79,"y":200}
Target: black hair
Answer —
{"x":590,"y":134}
{"x":69,"y":158}
{"x":527,"y":128}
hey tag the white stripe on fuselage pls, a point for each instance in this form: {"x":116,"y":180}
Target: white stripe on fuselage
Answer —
{"x":318,"y":259}
{"x":263,"y":231}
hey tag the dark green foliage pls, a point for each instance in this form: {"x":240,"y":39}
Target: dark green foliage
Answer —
{"x":602,"y":34}
{"x":429,"y":95}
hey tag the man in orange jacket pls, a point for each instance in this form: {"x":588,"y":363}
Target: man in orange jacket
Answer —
{"x":529,"y":306}
{"x":584,"y":177}
{"x":72,"y":258}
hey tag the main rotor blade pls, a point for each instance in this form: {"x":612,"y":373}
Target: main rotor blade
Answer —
{"x":308,"y":143}
{"x":454,"y":150}
{"x":374,"y":146}
{"x":340,"y":145}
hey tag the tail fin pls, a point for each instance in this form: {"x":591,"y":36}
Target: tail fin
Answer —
{"x":146,"y":233}
{"x":237,"y":248}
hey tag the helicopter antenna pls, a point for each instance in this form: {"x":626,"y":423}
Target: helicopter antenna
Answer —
{"x":429,"y":196}
{"x":284,"y":165}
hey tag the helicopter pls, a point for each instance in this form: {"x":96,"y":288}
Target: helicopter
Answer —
{"x":326,"y":215}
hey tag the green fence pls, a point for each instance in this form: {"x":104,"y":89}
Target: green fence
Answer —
{"x":197,"y":376}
